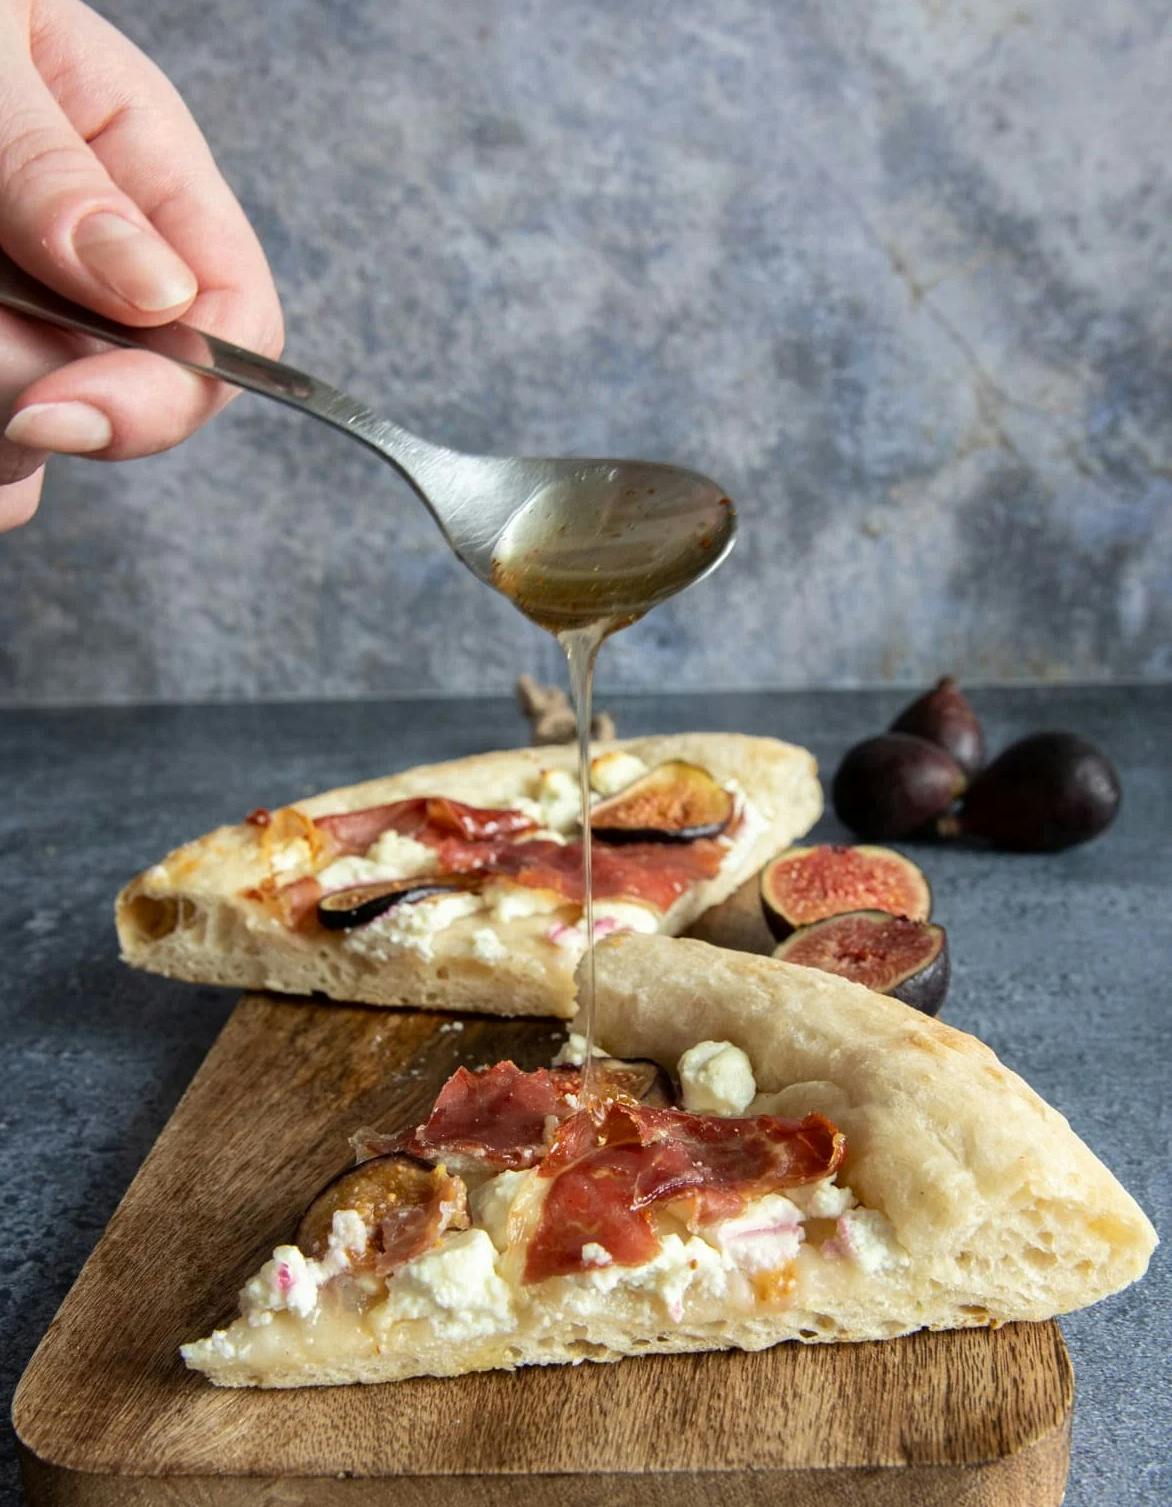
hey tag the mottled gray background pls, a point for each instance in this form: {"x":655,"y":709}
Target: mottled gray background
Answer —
{"x":898,"y":274}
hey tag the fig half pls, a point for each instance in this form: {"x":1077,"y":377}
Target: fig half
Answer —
{"x":404,"y":1202}
{"x":1047,"y":792}
{"x":674,"y":802}
{"x":945,"y":717}
{"x":805,"y":885}
{"x":344,"y":909}
{"x":890,"y":954}
{"x":894,"y":785}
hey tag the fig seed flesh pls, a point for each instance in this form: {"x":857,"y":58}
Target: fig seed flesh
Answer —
{"x":892,"y":786}
{"x":890,"y":954}
{"x":945,"y":717}
{"x":805,"y":885}
{"x":674,"y":802}
{"x":383,"y":1187}
{"x":1044,"y":793}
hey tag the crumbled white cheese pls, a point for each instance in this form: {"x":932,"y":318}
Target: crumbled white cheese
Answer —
{"x":291,"y":1280}
{"x":614,"y":771}
{"x":594,"y":1254}
{"x":413,"y":924}
{"x":512,"y":902}
{"x":454,"y":1287}
{"x":402,"y":855}
{"x":556,"y":802}
{"x":823,"y":1200}
{"x":572,"y":1052}
{"x":390,"y":856}
{"x":487,"y":947}
{"x":716,"y":1078}
{"x":345,"y":873}
{"x":679,"y":1266}
{"x":867,"y":1236}
{"x":764,"y":1236}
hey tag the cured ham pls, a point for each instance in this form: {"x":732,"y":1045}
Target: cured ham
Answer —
{"x":607,"y":1173}
{"x":655,"y":873}
{"x":428,"y":819}
{"x":408,"y":1229}
{"x":501,"y":1117}
{"x":504,"y":1118}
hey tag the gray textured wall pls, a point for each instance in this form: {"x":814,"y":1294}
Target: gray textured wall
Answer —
{"x":898,"y":273}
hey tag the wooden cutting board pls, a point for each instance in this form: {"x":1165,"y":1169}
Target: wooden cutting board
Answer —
{"x":106,"y":1413}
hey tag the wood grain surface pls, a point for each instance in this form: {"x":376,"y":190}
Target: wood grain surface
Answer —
{"x":106,"y":1412}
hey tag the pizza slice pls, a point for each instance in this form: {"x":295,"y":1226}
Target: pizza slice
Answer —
{"x":825,"y":1164}
{"x":459,"y":885}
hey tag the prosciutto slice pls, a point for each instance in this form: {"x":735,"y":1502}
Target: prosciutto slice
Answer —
{"x":656,"y":873}
{"x":500,"y":1117}
{"x":607,"y":1173}
{"x":428,"y":819}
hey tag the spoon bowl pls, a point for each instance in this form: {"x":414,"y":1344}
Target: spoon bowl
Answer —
{"x":570,"y":542}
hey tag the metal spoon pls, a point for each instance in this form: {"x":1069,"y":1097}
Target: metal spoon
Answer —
{"x":569,"y":541}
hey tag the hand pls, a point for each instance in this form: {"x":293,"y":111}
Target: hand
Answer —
{"x":109,"y":194}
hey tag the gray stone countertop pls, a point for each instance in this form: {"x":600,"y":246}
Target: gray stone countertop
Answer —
{"x":1061,"y":963}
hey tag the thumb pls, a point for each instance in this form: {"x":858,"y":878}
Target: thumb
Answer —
{"x":65,"y":220}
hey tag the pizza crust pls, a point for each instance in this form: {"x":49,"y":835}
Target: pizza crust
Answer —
{"x":185,"y":917}
{"x":995,"y":1211}
{"x":997,"y":1201}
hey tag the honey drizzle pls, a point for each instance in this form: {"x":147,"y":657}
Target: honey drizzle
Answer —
{"x":581,"y":650}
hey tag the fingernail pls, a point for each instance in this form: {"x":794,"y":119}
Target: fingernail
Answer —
{"x":137,"y":265}
{"x":67,"y":428}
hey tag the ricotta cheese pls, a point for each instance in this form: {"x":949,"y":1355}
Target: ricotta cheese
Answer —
{"x":555,"y":802}
{"x":716,"y":1078}
{"x":511,"y":902}
{"x":614,"y":771}
{"x":291,"y":1279}
{"x":413,"y":924}
{"x":867,"y":1237}
{"x":455,"y":1288}
{"x":764,"y":1237}
{"x":823,"y":1200}
{"x":390,"y":856}
{"x":680,"y":1268}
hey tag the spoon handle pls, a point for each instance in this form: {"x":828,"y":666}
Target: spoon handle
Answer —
{"x":212,"y":357}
